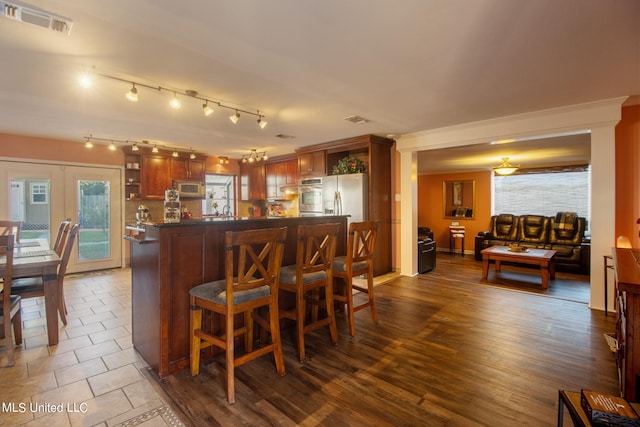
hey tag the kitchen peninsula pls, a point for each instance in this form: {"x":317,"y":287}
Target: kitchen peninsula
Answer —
{"x":167,"y":260}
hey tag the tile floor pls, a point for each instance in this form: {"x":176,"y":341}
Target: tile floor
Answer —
{"x":93,"y":377}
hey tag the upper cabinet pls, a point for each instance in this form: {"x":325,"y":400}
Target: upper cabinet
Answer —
{"x":279,"y":174}
{"x":155,"y":176}
{"x":252,"y":181}
{"x":148,"y":174}
{"x":187,"y":169}
{"x":312,"y":163}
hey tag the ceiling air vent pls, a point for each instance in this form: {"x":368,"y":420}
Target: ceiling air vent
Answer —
{"x":357,"y":119}
{"x":284,"y":136}
{"x":35,"y":16}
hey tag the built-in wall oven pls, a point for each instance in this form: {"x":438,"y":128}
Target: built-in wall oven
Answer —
{"x":310,"y":197}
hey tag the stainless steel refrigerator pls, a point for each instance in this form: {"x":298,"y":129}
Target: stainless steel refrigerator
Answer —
{"x":346,"y":195}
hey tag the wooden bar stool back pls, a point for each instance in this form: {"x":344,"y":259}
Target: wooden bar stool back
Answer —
{"x":252,"y":267}
{"x":361,"y":243}
{"x":10,"y":305}
{"x":308,"y":278}
{"x":11,"y":227}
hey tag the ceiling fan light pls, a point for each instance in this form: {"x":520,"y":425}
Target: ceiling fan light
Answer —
{"x":132,"y":95}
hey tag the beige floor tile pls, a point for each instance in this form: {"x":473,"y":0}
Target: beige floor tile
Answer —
{"x":97,"y":350}
{"x":56,"y":419}
{"x":115,"y":379}
{"x":70,"y":344}
{"x":109,"y":334}
{"x":52,"y":363}
{"x":80,"y":371}
{"x":23,"y":390}
{"x":102,"y":408}
{"x":121,"y":358}
{"x":142,"y":393}
{"x":74,"y":393}
{"x":97,"y":317}
{"x":84,"y":329}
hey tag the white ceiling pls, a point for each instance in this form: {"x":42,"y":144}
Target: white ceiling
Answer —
{"x":407,"y":65}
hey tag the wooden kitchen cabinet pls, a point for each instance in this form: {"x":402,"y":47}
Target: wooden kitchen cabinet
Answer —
{"x":252,"y":181}
{"x":312,"y":163}
{"x":280,"y":174}
{"x":155,"y":177}
{"x":187,"y":169}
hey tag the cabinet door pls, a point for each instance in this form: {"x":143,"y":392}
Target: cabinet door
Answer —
{"x":197,"y":170}
{"x":155,"y":177}
{"x":179,"y":168}
{"x":271,"y":171}
{"x":252,"y":182}
{"x":291,"y":171}
{"x":312,"y":164}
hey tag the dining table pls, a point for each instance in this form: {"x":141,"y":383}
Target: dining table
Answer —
{"x":35,"y":258}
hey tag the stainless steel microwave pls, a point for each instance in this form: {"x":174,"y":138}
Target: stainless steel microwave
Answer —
{"x":189,"y":189}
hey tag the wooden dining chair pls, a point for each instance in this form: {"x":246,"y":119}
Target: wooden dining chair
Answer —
{"x":10,"y":305}
{"x":61,"y":236}
{"x":31,"y":287}
{"x":252,"y":266}
{"x":311,"y":280}
{"x":11,"y":227}
{"x":357,"y":261}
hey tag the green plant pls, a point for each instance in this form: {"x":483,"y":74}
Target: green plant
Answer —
{"x":349,"y":164}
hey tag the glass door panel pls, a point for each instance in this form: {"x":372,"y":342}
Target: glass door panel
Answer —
{"x":94,"y":219}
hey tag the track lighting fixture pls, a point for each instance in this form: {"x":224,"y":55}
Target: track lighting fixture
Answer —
{"x":132,"y":95}
{"x":112,"y":144}
{"x":206,"y":109}
{"x":223,"y":160}
{"x":254,"y":156}
{"x":505,"y":168}
{"x":175,"y":102}
{"x":207,"y":106}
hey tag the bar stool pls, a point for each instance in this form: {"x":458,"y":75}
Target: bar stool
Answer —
{"x":308,"y":278}
{"x":248,"y":285}
{"x":456,"y":232}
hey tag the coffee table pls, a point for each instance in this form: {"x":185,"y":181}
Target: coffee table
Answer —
{"x":541,"y":257}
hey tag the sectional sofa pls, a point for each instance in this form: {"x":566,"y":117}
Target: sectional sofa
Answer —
{"x":564,"y":233}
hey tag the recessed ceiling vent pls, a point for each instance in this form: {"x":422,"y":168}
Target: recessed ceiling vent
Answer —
{"x":357,"y":119}
{"x":35,"y":16}
{"x":284,"y":136}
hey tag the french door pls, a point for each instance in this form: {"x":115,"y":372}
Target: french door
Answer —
{"x":43,"y":195}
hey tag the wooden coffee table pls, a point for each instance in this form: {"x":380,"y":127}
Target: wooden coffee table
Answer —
{"x":542,"y":257}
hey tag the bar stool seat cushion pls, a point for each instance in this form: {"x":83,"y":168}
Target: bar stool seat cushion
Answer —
{"x":288,"y":275}
{"x":217,"y":292}
{"x":340,"y":264}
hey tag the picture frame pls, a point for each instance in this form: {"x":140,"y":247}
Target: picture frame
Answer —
{"x":456,"y":196}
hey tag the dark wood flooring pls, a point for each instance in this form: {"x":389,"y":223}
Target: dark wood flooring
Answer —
{"x":449,"y":350}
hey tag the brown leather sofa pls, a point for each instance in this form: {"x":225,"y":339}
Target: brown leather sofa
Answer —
{"x":567,"y":238}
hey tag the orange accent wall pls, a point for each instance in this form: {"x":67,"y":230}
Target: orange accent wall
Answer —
{"x":430,"y":208}
{"x":31,"y":147}
{"x":628,"y":174}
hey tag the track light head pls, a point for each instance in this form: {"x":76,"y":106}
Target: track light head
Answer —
{"x":132,"y":95}
{"x":192,"y":155}
{"x":112,"y":146}
{"x":206,"y":109}
{"x":175,"y":153}
{"x":235,"y":117}
{"x":154,"y":149}
{"x":135,"y":147}
{"x":175,"y":102}
{"x":262,"y":123}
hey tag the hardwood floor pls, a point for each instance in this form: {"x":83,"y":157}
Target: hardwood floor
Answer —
{"x":449,"y":350}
